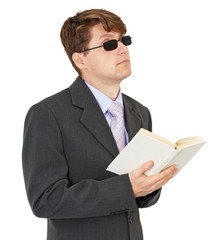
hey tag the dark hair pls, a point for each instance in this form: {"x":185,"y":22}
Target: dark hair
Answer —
{"x":75,"y":32}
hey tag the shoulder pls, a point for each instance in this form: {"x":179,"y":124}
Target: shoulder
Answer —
{"x":52,"y":105}
{"x":57,"y":99}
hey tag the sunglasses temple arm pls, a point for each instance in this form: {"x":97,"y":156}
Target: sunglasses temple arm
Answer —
{"x":90,"y":49}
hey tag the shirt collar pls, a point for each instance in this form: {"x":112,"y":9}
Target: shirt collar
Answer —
{"x":104,"y":101}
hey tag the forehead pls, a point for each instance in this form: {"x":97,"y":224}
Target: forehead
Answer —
{"x":99,"y":33}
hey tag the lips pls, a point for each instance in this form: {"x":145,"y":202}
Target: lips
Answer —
{"x":123,"y":61}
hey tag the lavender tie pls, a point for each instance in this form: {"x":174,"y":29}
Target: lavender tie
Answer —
{"x":117,"y":124}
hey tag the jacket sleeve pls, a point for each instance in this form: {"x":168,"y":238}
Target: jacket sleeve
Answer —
{"x":152,"y":198}
{"x":49,"y":191}
{"x":148,"y":200}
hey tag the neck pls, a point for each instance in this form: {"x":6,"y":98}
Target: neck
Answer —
{"x":111,"y":90}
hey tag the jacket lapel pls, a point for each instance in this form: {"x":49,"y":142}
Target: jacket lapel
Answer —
{"x":92,"y":117}
{"x":132,"y":118}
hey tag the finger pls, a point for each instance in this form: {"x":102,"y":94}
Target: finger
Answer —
{"x":145,"y":167}
{"x":171,"y":166}
{"x":168,"y":177}
{"x":159,"y":183}
{"x":163,"y":174}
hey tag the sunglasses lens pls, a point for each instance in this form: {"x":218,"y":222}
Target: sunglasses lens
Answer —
{"x":126,"y":40}
{"x":110,"y":45}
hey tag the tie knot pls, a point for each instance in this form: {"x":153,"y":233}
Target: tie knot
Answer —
{"x":116,"y":109}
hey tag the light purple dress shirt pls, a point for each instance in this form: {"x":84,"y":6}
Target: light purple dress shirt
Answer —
{"x":104,"y":103}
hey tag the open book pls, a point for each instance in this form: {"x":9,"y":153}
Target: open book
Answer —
{"x":147,"y":146}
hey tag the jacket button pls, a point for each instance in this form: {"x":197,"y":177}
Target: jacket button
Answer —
{"x":130,"y":220}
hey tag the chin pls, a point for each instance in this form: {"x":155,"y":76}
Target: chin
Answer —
{"x":126,"y":74}
{"x":122,"y":74}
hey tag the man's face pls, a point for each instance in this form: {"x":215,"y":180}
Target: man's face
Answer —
{"x":106,"y":66}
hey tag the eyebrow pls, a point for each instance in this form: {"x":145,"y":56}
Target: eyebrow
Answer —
{"x":105,"y":35}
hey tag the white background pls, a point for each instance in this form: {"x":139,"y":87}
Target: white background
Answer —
{"x":177,"y":72}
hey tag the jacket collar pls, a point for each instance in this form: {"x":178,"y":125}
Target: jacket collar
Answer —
{"x":93,"y":118}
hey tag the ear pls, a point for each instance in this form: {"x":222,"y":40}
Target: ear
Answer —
{"x":78,"y":60}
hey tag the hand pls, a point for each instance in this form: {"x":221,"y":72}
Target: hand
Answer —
{"x":143,"y":185}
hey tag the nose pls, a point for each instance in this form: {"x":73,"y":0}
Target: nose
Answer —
{"x":121,"y":48}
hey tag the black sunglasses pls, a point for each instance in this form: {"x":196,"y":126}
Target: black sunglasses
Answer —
{"x":112,"y":44}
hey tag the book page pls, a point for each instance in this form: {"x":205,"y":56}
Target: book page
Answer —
{"x":157,"y":137}
{"x":184,"y":155}
{"x":187,"y":142}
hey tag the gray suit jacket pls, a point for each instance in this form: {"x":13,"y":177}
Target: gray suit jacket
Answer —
{"x":67,"y":148}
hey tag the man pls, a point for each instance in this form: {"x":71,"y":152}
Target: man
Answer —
{"x":70,"y":139}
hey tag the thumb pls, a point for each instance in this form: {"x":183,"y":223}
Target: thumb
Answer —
{"x":145,"y":167}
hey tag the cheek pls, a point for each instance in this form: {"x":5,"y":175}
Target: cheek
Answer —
{"x":93,"y":62}
{"x":103,"y":63}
